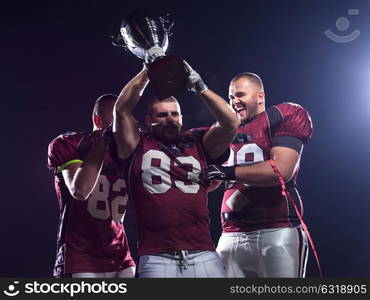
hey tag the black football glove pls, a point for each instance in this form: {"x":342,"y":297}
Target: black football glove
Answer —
{"x":214,"y":172}
{"x":194,"y":82}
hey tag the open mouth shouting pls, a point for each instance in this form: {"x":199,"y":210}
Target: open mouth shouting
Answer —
{"x":239,"y":109}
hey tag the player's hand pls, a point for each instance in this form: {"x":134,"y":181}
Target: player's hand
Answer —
{"x":152,"y":54}
{"x":194,"y":82}
{"x":97,"y":139}
{"x":107,"y":135}
{"x":213,"y":185}
{"x":215,"y":172}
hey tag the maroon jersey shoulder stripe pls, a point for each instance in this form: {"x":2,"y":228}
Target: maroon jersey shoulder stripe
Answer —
{"x":248,"y":208}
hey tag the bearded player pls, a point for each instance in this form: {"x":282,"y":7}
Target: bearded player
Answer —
{"x":262,"y":231}
{"x":167,"y":179}
{"x":92,"y":196}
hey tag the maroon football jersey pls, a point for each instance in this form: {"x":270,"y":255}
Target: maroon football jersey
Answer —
{"x":90,"y":237}
{"x":169,"y":190}
{"x":247,"y":208}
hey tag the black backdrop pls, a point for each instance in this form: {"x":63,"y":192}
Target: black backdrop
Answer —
{"x":56,"y":59}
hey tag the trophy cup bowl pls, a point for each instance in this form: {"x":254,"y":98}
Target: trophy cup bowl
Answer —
{"x":142,"y":30}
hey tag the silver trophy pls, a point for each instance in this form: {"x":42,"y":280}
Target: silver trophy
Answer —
{"x":143,"y":33}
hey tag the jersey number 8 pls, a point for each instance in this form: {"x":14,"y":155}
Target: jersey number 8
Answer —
{"x":100,"y":195}
{"x":161,"y":173}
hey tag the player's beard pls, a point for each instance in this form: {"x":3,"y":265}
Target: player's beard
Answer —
{"x":168,"y":131}
{"x":249,"y":112}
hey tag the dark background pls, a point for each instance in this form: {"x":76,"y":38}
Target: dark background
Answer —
{"x":56,"y":58}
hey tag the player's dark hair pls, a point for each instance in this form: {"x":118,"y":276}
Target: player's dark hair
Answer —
{"x":154,"y":101}
{"x":252,"y":77}
{"x":101,"y":103}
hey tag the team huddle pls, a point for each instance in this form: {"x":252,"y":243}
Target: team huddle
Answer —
{"x":167,"y":175}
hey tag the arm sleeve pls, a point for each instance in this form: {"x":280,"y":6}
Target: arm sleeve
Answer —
{"x":62,"y":152}
{"x":287,"y":141}
{"x":296,"y":123}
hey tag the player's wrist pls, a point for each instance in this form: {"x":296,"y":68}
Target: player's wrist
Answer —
{"x":230,"y":172}
{"x":200,"y":87}
{"x":215,"y":172}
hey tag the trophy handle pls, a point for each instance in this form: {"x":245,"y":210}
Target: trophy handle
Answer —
{"x":167,"y":23}
{"x":118,"y":41}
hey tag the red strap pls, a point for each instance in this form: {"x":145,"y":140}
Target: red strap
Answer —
{"x":287,"y":195}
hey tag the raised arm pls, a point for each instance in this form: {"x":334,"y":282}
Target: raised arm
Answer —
{"x":81,"y":177}
{"x":125,"y":129}
{"x":218,"y":138}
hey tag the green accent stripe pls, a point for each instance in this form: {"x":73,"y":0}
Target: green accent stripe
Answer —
{"x":62,"y":167}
